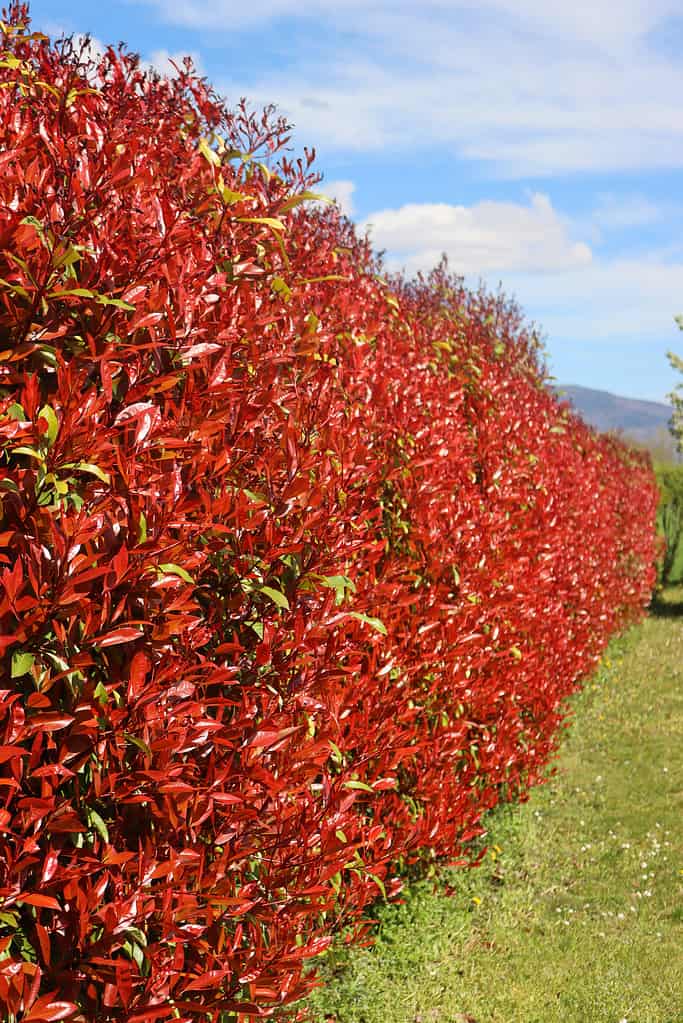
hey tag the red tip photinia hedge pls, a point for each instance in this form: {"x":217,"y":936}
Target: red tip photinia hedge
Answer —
{"x":298,"y":563}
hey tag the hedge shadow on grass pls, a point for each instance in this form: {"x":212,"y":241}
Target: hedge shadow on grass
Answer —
{"x":668,"y":603}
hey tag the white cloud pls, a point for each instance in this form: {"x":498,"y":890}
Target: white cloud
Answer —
{"x":163,"y":62}
{"x":489,"y":236}
{"x":93,"y":48}
{"x":609,"y":319}
{"x":342,"y":193}
{"x":610,"y":327}
{"x":615,"y":212}
{"x":160,"y":60}
{"x":612,"y":300}
{"x":531,"y":87}
{"x":584,"y":19}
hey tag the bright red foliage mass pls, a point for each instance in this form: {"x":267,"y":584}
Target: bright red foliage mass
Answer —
{"x":297,"y":564}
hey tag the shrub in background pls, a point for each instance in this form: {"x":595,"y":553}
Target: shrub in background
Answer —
{"x":298,"y":563}
{"x":670,"y":519}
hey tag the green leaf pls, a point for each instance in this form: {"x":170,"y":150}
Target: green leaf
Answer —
{"x":49,"y":354}
{"x":100,"y":694}
{"x":336,"y":752}
{"x":271,"y":222}
{"x":16,"y":412}
{"x":257,"y":498}
{"x":67,"y":258}
{"x":280,"y":287}
{"x":96,"y":821}
{"x":296,"y":200}
{"x":516,"y":653}
{"x":139,"y":743}
{"x":374,"y":623}
{"x":208,"y":153}
{"x":380,"y":884}
{"x":118,"y":303}
{"x":50,"y":416}
{"x":275,"y":595}
{"x":360,"y":785}
{"x":93,"y":470}
{"x":258,"y":628}
{"x":139,"y":936}
{"x":75,"y":292}
{"x":25,"y":450}
{"x":33,"y":222}
{"x":311,"y":321}
{"x":170,"y":569}
{"x":21,"y":664}
{"x":340,"y":584}
{"x":325,"y":277}
{"x":230,"y":198}
{"x":88,"y":293}
{"x":16,"y":288}
{"x":58,"y":661}
{"x":142,"y":528}
{"x":136,"y":953}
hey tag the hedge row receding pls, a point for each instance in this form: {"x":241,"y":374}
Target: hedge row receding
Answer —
{"x":298,"y":562}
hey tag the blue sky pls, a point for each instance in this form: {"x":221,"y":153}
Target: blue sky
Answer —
{"x":540,"y":145}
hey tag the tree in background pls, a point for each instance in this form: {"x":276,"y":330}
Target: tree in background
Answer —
{"x":677,"y":396}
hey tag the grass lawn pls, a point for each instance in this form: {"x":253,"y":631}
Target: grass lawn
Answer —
{"x":576,"y":915}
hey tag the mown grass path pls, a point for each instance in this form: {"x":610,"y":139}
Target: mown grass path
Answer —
{"x":576,"y":915}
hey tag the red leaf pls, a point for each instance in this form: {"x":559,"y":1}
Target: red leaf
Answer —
{"x":50,"y":865}
{"x":44,"y":941}
{"x":139,"y":667}
{"x":10,"y":752}
{"x":125,"y":634}
{"x":47,"y":1011}
{"x":212,"y":980}
{"x":36,"y":899}
{"x":49,"y":722}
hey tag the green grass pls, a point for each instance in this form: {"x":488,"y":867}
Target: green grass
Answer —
{"x":576,"y":914}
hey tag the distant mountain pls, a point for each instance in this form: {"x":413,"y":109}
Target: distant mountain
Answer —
{"x":642,"y":420}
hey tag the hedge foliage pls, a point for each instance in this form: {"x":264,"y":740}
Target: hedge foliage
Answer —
{"x":298,"y":563}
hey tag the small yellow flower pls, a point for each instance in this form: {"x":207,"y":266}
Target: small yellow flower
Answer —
{"x":477,"y":901}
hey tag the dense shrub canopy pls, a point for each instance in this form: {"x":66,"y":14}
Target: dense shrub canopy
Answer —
{"x":298,"y":563}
